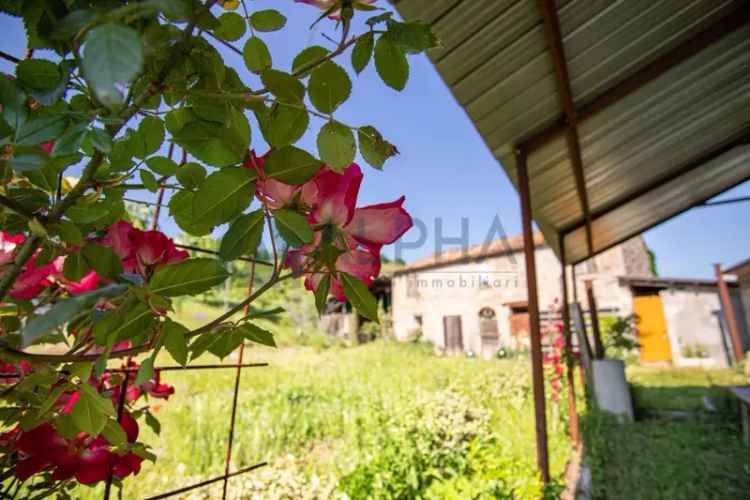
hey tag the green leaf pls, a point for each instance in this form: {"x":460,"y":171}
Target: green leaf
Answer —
{"x":38,"y":74}
{"x":375,"y":150}
{"x":243,"y":236}
{"x":149,"y":181}
{"x":28,"y":162}
{"x":308,"y":57}
{"x":291,"y":165}
{"x":40,"y":129}
{"x":285,"y":125}
{"x":151,"y":132}
{"x":329,"y":87}
{"x":293,"y":227}
{"x":412,"y":37}
{"x":75,"y":266}
{"x":145,"y":371}
{"x":129,"y":321}
{"x":70,"y":141}
{"x":360,"y":297}
{"x":224,"y":194}
{"x":231,"y":26}
{"x":162,"y":165}
{"x":215,"y":144}
{"x":112,"y":55}
{"x":65,"y":310}
{"x":69,"y":232}
{"x":391,"y":63}
{"x":283,"y":85}
{"x":191,"y":175}
{"x":114,"y":433}
{"x":257,"y":334}
{"x":152,"y":422}
{"x":103,"y":260}
{"x":90,"y":413}
{"x":175,"y":341}
{"x":87,"y":213}
{"x":225,"y":341}
{"x":362,"y":52}
{"x":181,"y":209}
{"x":189,"y":277}
{"x":321,"y":293}
{"x":267,"y":20}
{"x":336,"y":145}
{"x":14,"y":109}
{"x":256,"y":55}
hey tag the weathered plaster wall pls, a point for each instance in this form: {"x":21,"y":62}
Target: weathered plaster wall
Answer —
{"x":692,"y":316}
{"x":465,"y":288}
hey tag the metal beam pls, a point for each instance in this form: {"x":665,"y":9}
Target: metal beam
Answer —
{"x":742,"y":139}
{"x":651,"y":226}
{"x":734,"y":20}
{"x":537,"y":370}
{"x":573,"y":426}
{"x":557,"y":52}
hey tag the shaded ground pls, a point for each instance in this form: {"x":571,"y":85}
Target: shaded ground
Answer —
{"x":697,"y":456}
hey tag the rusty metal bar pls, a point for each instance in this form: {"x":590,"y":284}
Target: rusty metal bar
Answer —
{"x":206,"y":482}
{"x":120,"y":408}
{"x":235,"y":396}
{"x":537,"y":370}
{"x":594,"y":314}
{"x":213,"y":252}
{"x":573,"y":425}
{"x":728,"y":307}
{"x":737,"y":18}
{"x":557,"y":52}
{"x":186,"y":368}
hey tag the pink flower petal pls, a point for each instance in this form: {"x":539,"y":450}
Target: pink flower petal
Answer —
{"x":378,"y":225}
{"x":333,"y":196}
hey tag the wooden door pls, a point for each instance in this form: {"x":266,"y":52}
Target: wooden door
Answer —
{"x":453,"y":336}
{"x":652,"y":329}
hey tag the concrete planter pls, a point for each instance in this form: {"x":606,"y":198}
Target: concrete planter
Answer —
{"x":611,"y":388}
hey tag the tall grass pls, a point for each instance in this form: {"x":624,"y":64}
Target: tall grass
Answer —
{"x":315,"y":417}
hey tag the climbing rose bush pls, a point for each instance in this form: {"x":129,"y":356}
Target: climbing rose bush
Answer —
{"x":133,"y":102}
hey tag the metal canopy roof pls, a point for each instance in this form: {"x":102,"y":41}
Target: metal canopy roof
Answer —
{"x":628,"y":112}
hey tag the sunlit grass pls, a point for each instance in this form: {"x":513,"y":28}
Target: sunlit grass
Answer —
{"x":322,"y":412}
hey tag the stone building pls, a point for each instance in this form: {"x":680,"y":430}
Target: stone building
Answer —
{"x":475,"y":300}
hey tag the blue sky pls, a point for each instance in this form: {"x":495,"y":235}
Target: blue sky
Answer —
{"x":444,"y":168}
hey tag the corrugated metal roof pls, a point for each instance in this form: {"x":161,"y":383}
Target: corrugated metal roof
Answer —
{"x":639,"y":153}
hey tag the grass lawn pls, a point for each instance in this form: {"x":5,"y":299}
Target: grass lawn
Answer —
{"x":697,"y":457}
{"x":385,"y":419}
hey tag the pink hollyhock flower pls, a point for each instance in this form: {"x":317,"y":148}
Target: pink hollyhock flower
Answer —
{"x":272,"y":193}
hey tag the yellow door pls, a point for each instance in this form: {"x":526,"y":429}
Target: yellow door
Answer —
{"x":652,"y":329}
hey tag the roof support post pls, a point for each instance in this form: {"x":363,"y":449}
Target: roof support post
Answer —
{"x":573,"y":427}
{"x":726,"y":305}
{"x":557,"y":51}
{"x":537,"y":371}
{"x":594,"y":314}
